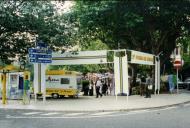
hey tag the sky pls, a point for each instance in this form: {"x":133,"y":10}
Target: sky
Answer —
{"x":63,"y":7}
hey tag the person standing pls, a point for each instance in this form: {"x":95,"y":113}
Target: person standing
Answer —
{"x":148,"y":86}
{"x":98,"y":85}
{"x":142,"y":83}
{"x":104,"y":87}
{"x":91,"y":88}
{"x":171,"y":83}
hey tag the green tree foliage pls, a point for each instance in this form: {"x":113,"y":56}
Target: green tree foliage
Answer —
{"x":24,"y":21}
{"x":144,"y":25}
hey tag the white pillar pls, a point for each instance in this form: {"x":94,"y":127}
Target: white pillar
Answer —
{"x":158,"y":80}
{"x":156,"y":77}
{"x":121,"y":74}
{"x":43,"y":81}
{"x":36,"y":82}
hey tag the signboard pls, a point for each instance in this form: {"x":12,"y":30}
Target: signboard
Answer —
{"x":37,"y":50}
{"x":142,"y":58}
{"x":40,"y":54}
{"x":82,"y":57}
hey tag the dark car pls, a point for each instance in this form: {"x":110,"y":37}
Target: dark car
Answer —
{"x":187,"y":83}
{"x":181,"y":84}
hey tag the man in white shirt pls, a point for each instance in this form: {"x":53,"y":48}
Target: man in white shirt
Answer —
{"x":98,"y":85}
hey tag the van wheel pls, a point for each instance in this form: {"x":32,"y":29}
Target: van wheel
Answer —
{"x":55,"y":95}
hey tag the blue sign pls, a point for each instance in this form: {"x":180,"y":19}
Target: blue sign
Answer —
{"x":38,"y":60}
{"x":37,"y":50}
{"x":41,"y":44}
{"x":41,"y":54}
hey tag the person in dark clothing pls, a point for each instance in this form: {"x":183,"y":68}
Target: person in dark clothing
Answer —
{"x":104,"y":87}
{"x":142,"y":86}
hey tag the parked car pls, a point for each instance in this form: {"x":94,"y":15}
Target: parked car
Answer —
{"x":187,"y":83}
{"x":181,"y":84}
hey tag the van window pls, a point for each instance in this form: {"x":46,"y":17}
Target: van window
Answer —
{"x":78,"y":81}
{"x":65,"y":81}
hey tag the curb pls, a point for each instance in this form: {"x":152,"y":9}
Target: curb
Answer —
{"x":114,"y":110}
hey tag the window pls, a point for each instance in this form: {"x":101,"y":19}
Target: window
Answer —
{"x":65,"y":80}
{"x":78,"y":81}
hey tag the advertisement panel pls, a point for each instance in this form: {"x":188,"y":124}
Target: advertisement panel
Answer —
{"x":142,"y":58}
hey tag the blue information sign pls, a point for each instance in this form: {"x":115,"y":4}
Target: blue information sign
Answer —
{"x":40,"y":61}
{"x":41,"y":44}
{"x":36,"y":50}
{"x":41,"y":54}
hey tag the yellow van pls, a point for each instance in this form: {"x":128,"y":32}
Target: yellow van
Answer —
{"x":60,"y":83}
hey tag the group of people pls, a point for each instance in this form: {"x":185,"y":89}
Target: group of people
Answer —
{"x":102,"y":87}
{"x":99,"y":84}
{"x":146,"y":86}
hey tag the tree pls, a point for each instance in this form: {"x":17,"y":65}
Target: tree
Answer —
{"x":149,"y":26}
{"x":22,"y":22}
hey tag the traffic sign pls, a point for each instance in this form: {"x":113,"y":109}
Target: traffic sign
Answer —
{"x":41,"y":44}
{"x":38,"y":60}
{"x":40,"y":54}
{"x":177,"y":64}
{"x":37,"y":50}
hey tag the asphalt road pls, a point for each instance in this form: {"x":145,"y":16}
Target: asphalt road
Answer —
{"x":171,"y":117}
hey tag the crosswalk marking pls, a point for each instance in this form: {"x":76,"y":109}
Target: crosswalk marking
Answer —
{"x":102,"y":113}
{"x":31,"y":113}
{"x":73,"y":114}
{"x":187,"y":105}
{"x":49,"y":114}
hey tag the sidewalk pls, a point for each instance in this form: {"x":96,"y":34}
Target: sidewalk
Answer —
{"x":106,"y":103}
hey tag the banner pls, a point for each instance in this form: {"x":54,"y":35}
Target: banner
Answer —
{"x":142,"y":58}
{"x":81,"y":57}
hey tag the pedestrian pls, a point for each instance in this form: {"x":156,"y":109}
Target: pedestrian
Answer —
{"x":98,"y":86}
{"x":142,"y":83}
{"x":148,"y":87}
{"x":104,"y":87}
{"x":171,"y":83}
{"x":91,"y":88}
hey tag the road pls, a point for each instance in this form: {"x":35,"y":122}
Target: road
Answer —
{"x":170,"y":117}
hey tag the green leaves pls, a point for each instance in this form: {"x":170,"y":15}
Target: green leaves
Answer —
{"x":149,"y":26}
{"x":24,"y":21}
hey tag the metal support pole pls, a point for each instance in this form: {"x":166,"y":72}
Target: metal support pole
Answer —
{"x":177,"y":81}
{"x":4,"y":98}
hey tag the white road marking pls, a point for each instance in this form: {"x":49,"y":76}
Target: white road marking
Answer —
{"x":185,"y":105}
{"x":73,"y":114}
{"x":49,"y":114}
{"x":168,"y":108}
{"x":102,"y":113}
{"x":31,"y":113}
